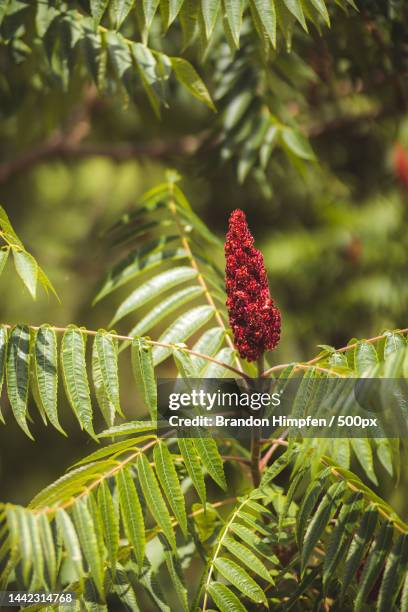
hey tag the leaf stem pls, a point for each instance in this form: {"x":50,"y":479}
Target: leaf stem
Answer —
{"x":91,"y":332}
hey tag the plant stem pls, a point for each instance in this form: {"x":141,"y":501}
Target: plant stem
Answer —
{"x":256,"y":440}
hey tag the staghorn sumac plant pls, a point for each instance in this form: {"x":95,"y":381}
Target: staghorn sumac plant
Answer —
{"x":158,"y":523}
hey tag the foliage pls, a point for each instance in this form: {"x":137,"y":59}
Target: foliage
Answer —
{"x":325,"y":536}
{"x":110,"y":44}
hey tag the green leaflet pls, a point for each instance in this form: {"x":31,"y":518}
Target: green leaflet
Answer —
{"x":70,"y":484}
{"x":4,"y":253}
{"x":143,"y":372}
{"x":89,"y":543}
{"x":267,"y":16}
{"x":176,"y":574}
{"x":71,"y":542}
{"x":365,"y":357}
{"x":17,"y":374}
{"x":193,"y":465}
{"x":394,"y":573}
{"x":131,"y":427}
{"x":46,"y":372}
{"x":210,"y":10}
{"x":167,"y":474}
{"x":174,"y":9}
{"x":309,"y":501}
{"x":254,"y":541}
{"x":247,"y":557}
{"x":384,"y":453}
{"x":97,"y":9}
{"x":295,"y":7}
{"x":75,"y":377}
{"x":188,"y":20}
{"x":147,"y":66}
{"x":154,"y":499}
{"x":233,"y":10}
{"x":37,"y":549}
{"x":225,"y":599}
{"x":181,"y":329}
{"x":320,"y":6}
{"x":189,"y":78}
{"x":149,"y":8}
{"x":116,"y":448}
{"x":132,"y":515}
{"x":208,"y":344}
{"x":404,"y":595}
{"x":120,"y":10}
{"x":164,"y":308}
{"x":106,"y":377}
{"x":339,"y":539}
{"x":124,"y":591}
{"x":152,"y":288}
{"x":184,"y":364}
{"x":141,"y":260}
{"x":364,"y":454}
{"x":357,"y":548}
{"x":393,"y":342}
{"x":320,"y":519}
{"x":106,"y":407}
{"x":94,"y":511}
{"x":5,"y":225}
{"x":207,"y":451}
{"x":48,"y":546}
{"x":27,"y":269}
{"x":110,"y":520}
{"x":3,"y":355}
{"x":215,"y":370}
{"x":240,"y":579}
{"x":297,"y":144}
{"x":373,"y":565}
{"x":19,"y":528}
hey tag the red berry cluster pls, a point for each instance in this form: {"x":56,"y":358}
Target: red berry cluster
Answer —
{"x":254,"y":320}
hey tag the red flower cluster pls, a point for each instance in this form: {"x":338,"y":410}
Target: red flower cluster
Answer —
{"x":254,"y":320}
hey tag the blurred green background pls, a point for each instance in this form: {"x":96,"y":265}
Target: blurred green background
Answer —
{"x":333,"y":231}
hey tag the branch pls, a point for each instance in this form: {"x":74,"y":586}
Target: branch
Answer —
{"x":60,"y":146}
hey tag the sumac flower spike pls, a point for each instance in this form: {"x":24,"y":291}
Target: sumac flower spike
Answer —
{"x":254,"y":319}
